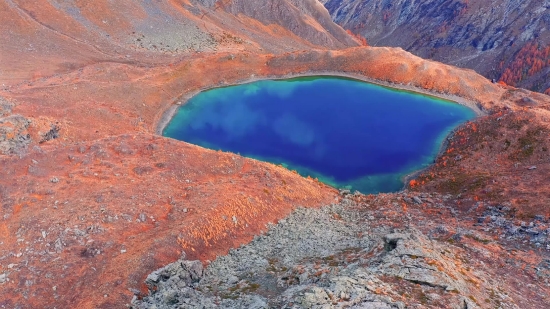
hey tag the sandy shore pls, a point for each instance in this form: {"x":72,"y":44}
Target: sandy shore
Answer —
{"x":170,"y":112}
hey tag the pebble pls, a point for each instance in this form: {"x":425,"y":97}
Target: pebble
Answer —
{"x":233,"y":280}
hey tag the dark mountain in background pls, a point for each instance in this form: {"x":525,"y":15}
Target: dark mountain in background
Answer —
{"x":507,"y":40}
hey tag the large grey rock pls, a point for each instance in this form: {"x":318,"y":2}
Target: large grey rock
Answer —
{"x":407,"y":258}
{"x":13,"y":134}
{"x":181,"y":273}
{"x":373,"y":305}
{"x":317,"y":296}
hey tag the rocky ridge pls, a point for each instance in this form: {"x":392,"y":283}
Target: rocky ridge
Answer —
{"x":491,"y":37}
{"x":342,"y":256}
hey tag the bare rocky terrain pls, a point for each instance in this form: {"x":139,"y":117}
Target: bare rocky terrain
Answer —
{"x":498,"y":39}
{"x":355,"y":254}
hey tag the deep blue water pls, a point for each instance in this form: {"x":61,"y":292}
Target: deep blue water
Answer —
{"x":345,"y":132}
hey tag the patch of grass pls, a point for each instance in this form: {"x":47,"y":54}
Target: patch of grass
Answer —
{"x":471,"y":281}
{"x":351,"y":250}
{"x":494,"y":298}
{"x":462,"y":182}
{"x":251,"y":287}
{"x":234,"y":292}
{"x":529,"y":142}
{"x":271,"y":266}
{"x":423,"y":298}
{"x":496,"y":195}
{"x":507,"y":142}
{"x":481,"y":240}
{"x":518,"y":124}
{"x":229,"y":296}
{"x":331,"y":261}
{"x":506,"y":95}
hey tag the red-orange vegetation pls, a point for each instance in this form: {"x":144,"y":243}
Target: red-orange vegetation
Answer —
{"x":530,"y":60}
{"x":465,"y":8}
{"x":485,"y":156}
{"x":109,"y":190}
{"x":359,"y":38}
{"x":386,"y":16}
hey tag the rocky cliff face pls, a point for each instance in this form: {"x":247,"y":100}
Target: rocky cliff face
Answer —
{"x":503,"y":40}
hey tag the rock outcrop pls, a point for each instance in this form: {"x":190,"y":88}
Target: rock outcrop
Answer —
{"x":14,"y":137}
{"x":335,"y":257}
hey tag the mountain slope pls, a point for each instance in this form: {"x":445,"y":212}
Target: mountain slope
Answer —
{"x":61,"y":36}
{"x":503,"y":40}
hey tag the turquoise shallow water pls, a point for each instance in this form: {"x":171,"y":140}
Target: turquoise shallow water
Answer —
{"x":345,"y":132}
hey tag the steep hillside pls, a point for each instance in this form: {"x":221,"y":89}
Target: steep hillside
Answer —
{"x":503,"y":40}
{"x":61,"y":36}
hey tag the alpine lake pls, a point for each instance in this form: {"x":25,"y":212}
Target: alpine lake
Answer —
{"x":346,"y":133}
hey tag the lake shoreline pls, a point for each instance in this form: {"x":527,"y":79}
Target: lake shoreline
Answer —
{"x":442,"y":147}
{"x":402,"y":179}
{"x":170,"y":112}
